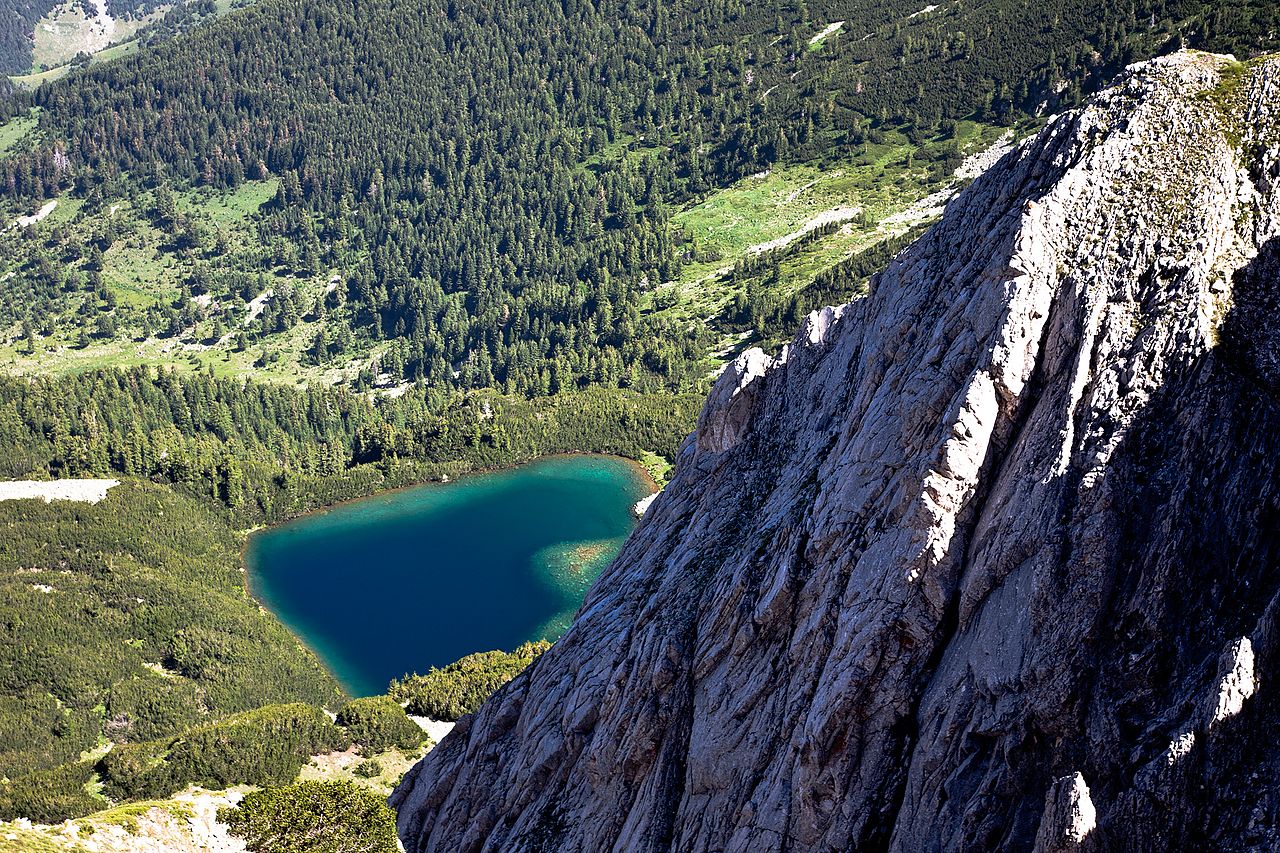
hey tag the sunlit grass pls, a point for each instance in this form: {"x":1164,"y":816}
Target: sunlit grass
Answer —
{"x":17,"y":130}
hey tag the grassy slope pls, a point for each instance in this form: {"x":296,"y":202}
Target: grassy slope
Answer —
{"x":881,"y":186}
{"x":142,"y":268}
{"x":35,"y":78}
{"x":67,"y":31}
{"x":16,"y":131}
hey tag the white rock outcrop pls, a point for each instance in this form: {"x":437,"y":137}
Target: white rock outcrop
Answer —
{"x":83,"y":491}
{"x":996,"y":529}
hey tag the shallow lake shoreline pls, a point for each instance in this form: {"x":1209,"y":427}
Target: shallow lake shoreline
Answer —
{"x":259,"y":589}
{"x":646,"y":476}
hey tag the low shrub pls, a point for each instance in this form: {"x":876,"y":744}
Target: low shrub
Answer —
{"x":378,"y":723}
{"x":142,"y":709}
{"x":50,"y":796}
{"x":267,"y":746}
{"x":462,"y":687}
{"x":313,"y":817}
{"x":135,"y":771}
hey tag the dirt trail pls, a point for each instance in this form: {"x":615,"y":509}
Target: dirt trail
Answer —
{"x":840,"y":213}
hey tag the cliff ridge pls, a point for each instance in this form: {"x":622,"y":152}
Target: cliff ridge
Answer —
{"x":989,"y":559}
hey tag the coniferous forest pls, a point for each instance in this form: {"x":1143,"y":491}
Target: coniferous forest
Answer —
{"x":264,"y":453}
{"x":452,"y":159}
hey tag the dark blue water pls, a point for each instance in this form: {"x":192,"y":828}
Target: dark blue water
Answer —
{"x":421,"y":577}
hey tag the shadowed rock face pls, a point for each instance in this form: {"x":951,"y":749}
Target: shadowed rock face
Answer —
{"x":986,"y":560}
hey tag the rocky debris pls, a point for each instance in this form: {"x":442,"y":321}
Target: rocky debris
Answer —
{"x":829,"y":29}
{"x":27,"y":221}
{"x":926,"y":10}
{"x":83,"y":491}
{"x":987,"y":560}
{"x":254,"y":307}
{"x":187,"y":823}
{"x":980,"y":161}
{"x":835,"y":215}
{"x":642,"y":505}
{"x":435,"y":729}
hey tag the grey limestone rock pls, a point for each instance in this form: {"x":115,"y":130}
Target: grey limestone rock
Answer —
{"x":986,"y":560}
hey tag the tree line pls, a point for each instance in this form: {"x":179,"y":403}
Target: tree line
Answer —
{"x":268,"y":452}
{"x":492,"y":180}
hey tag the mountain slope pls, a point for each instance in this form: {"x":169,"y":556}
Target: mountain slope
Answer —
{"x":125,"y":622}
{"x":480,"y":193}
{"x":986,"y":560}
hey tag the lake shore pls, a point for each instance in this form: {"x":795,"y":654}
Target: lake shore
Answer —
{"x":642,"y":471}
{"x":389,"y":507}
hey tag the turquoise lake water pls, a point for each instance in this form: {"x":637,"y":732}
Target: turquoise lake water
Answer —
{"x":421,"y":577}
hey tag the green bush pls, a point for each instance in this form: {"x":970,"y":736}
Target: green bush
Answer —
{"x":50,"y":796}
{"x":378,"y":724}
{"x":263,"y":747}
{"x":142,"y":709}
{"x":135,"y":771}
{"x":369,"y":769}
{"x":313,"y":817}
{"x":36,"y":731}
{"x":461,"y":687}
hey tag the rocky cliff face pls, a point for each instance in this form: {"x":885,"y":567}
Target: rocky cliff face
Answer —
{"x":989,"y":559}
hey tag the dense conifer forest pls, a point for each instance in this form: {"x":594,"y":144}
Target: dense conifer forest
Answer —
{"x":493,"y":180}
{"x":264,"y":453}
